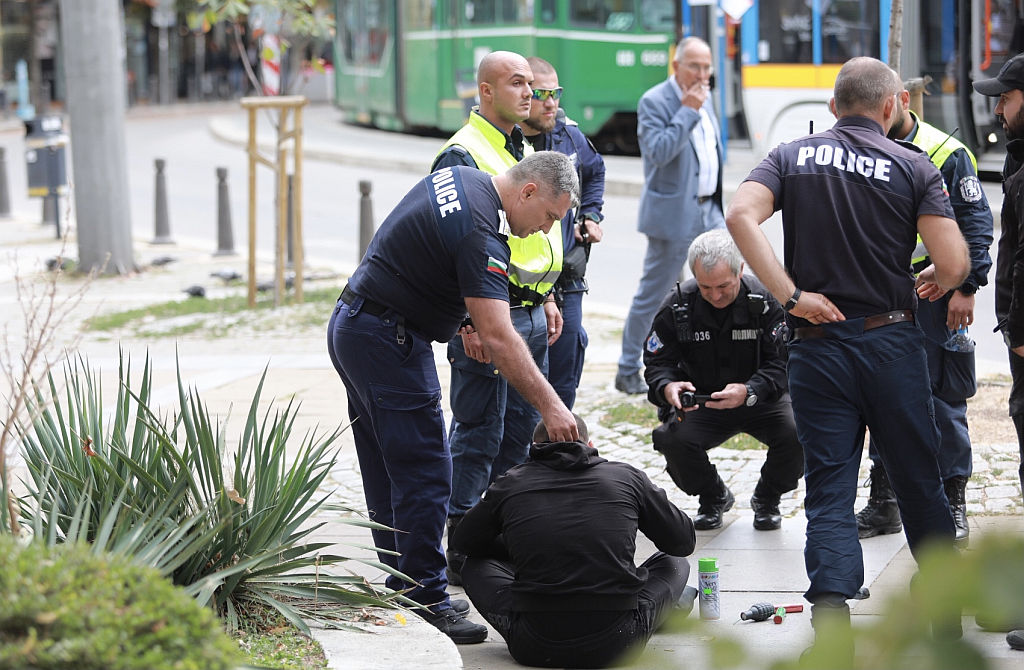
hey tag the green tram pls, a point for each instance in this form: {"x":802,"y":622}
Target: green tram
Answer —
{"x":411,"y":64}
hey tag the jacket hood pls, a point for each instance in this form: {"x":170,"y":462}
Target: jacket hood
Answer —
{"x":565,"y":455}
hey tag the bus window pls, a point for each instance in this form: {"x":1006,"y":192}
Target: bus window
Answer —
{"x":548,"y":11}
{"x":658,"y":15}
{"x":785,"y":31}
{"x":849,"y":28}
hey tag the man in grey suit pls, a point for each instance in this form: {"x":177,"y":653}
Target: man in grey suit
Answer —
{"x":682,"y":195}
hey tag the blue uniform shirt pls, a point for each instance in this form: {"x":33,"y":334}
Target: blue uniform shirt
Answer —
{"x":441,"y":244}
{"x":850,"y":200}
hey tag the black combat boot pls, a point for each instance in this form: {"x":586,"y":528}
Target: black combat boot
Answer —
{"x":956,"y":491}
{"x":766,"y":508}
{"x":714,"y":501}
{"x":833,"y":636}
{"x":455,"y":559}
{"x":880,"y":516}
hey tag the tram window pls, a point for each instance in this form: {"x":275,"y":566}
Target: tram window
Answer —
{"x":606,"y":14}
{"x":849,"y":29}
{"x":365,"y":31}
{"x":498,"y":11}
{"x":419,"y":14}
{"x":548,"y":11}
{"x":785,"y":31}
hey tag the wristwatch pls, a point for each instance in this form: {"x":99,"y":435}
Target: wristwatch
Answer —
{"x":791,"y":303}
{"x":751,"y":396}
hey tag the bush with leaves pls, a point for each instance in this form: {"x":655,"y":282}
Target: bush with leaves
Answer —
{"x":156,"y":489}
{"x":72,"y":607}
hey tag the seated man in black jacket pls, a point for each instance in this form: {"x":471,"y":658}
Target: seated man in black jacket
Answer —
{"x":716,"y":366}
{"x":551,"y":547}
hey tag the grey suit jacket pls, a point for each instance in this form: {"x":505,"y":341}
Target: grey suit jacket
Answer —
{"x":668,"y":203}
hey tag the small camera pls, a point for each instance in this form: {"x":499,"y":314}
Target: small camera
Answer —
{"x":689,"y":398}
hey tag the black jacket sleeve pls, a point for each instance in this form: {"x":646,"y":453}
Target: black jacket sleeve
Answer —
{"x":478,"y":534}
{"x":770,"y":381}
{"x":973,"y":215}
{"x":669,"y":529}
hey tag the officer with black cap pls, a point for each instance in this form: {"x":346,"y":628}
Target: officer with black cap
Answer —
{"x":1009,"y":86}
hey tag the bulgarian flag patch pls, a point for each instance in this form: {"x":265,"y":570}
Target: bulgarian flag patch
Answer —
{"x":497,"y":267}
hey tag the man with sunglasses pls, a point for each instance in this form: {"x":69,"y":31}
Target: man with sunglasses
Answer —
{"x":491,"y":422}
{"x":682,"y":194}
{"x":549,"y":129}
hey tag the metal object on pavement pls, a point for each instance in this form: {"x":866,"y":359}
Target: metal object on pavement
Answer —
{"x":46,"y":161}
{"x":162,"y":222}
{"x":225,"y":235}
{"x":366,"y":227}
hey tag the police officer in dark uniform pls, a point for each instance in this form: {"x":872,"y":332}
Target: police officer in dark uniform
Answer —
{"x":443,"y":251}
{"x":853,"y":203}
{"x":720,"y":334}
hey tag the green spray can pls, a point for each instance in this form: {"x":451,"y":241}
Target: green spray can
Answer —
{"x":707,"y":587}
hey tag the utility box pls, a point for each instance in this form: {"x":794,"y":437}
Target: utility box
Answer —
{"x":46,"y":156}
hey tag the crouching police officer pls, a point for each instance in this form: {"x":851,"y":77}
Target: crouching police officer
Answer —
{"x":716,"y":353}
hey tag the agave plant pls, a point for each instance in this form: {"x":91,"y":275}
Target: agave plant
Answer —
{"x":157,"y":489}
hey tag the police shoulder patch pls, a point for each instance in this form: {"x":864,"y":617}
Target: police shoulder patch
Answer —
{"x":970,"y":189}
{"x":654,"y":344}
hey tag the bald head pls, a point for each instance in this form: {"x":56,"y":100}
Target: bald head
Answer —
{"x":498,"y":63}
{"x":503,"y":81}
{"x":864,"y":86}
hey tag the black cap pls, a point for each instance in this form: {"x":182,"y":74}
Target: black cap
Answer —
{"x":1010,"y":76}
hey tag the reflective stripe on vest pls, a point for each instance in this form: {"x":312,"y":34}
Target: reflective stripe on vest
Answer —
{"x":939,"y":146}
{"x":536,"y":261}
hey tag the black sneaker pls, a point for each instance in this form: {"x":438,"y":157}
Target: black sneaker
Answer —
{"x":460,"y":606}
{"x":455,"y":626}
{"x":633,"y":384}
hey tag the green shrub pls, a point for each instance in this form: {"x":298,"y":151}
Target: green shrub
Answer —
{"x":65,"y":607}
{"x":231,"y":526}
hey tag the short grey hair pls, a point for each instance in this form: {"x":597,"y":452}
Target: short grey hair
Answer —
{"x":551,"y":170}
{"x":713,"y":247}
{"x":685,"y":44}
{"x":864,"y":84}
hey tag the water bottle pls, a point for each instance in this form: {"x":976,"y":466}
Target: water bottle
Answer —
{"x":707,"y":586}
{"x":960,"y":341}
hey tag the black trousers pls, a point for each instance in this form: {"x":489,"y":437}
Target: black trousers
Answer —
{"x":573,"y":639}
{"x":1017,"y":407}
{"x":685,"y":444}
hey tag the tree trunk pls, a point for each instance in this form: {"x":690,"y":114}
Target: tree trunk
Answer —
{"x":895,"y":34}
{"x":95,"y":74}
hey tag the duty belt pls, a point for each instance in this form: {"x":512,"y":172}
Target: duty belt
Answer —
{"x":375,"y":308}
{"x":870,"y":323}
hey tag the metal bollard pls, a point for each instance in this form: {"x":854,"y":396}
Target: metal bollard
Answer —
{"x":5,"y":194}
{"x":162,"y":222}
{"x":51,"y":211}
{"x":225,"y":236}
{"x":366,"y":228}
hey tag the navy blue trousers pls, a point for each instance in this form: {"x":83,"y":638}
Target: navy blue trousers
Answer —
{"x":394,"y":400}
{"x":839,"y":385}
{"x":492,"y":424}
{"x":955,"y":458}
{"x":565,"y":356}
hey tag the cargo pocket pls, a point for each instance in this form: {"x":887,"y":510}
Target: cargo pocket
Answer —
{"x":957,"y":380}
{"x":405,"y":417}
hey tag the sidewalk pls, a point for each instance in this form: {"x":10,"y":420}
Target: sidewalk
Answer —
{"x":755,"y":566}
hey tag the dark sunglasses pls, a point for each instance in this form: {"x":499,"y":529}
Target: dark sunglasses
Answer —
{"x":545,"y":93}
